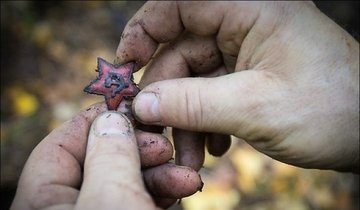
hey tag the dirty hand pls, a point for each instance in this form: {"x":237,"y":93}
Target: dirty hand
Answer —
{"x":285,"y":78}
{"x":85,"y":165}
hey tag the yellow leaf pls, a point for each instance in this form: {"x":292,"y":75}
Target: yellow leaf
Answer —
{"x":24,"y":103}
{"x":249,"y":165}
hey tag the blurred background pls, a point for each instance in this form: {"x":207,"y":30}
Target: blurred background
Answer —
{"x":48,"y":55}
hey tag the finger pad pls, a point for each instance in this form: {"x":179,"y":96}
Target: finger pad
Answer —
{"x":172,"y":181}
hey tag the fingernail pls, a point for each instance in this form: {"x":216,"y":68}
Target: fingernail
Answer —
{"x":146,"y":107}
{"x":111,"y":123}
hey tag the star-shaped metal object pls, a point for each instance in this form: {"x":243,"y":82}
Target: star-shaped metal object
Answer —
{"x":114,"y":82}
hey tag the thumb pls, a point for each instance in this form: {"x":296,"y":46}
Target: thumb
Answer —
{"x":112,"y":176}
{"x":219,"y":104}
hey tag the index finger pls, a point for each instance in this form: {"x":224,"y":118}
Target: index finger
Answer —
{"x":162,"y":21}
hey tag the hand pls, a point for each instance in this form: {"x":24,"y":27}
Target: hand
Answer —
{"x":84,"y":166}
{"x":285,"y":78}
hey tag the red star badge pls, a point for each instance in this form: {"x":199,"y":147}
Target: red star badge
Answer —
{"x":114,"y":82}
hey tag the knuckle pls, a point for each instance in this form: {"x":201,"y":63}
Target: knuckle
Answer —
{"x":194,"y":109}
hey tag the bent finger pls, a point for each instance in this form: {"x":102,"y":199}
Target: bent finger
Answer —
{"x":217,"y":144}
{"x":188,"y":55}
{"x":155,"y":149}
{"x":189,"y":148}
{"x":172,"y":181}
{"x":161,"y":22}
{"x":139,"y":41}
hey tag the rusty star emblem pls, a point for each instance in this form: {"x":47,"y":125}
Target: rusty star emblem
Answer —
{"x":115,"y":82}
